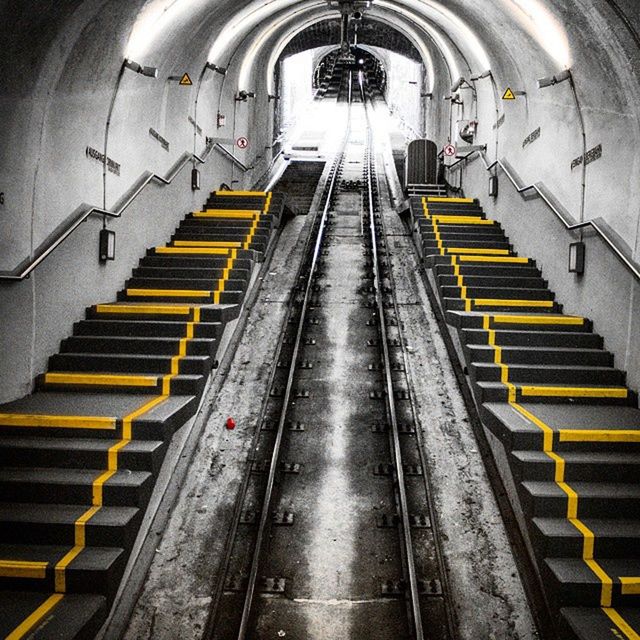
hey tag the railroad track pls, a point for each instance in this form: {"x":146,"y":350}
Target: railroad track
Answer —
{"x":334,"y":532}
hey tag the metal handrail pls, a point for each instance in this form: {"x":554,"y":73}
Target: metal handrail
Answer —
{"x":218,"y":147}
{"x":599,"y":225}
{"x":55,"y":239}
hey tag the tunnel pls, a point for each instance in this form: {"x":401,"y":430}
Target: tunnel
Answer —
{"x":320,"y":319}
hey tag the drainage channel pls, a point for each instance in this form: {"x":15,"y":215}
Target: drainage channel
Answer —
{"x":334,"y":535}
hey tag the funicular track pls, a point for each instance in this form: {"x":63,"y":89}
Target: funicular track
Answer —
{"x":283,"y":553}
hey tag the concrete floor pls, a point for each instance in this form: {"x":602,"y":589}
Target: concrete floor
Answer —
{"x":490,"y":603}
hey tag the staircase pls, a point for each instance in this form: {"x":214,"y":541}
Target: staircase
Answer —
{"x":550,"y":395}
{"x":79,"y":457}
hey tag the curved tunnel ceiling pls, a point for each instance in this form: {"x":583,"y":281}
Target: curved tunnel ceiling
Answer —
{"x":370,"y":31}
{"x":443,"y":26}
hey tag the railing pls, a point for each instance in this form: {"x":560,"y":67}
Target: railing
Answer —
{"x":599,"y":225}
{"x":227,"y":154}
{"x":63,"y":231}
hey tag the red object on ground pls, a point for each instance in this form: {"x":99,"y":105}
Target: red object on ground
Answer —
{"x":230,"y":424}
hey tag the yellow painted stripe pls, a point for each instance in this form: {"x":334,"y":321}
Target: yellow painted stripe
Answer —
{"x":547,"y":431}
{"x":222,"y":281}
{"x":60,"y":579}
{"x":192,"y":251}
{"x":101,"y":379}
{"x":242,"y":193}
{"x":226,"y":211}
{"x":465,"y":220}
{"x":233,"y":214}
{"x":599,"y":435}
{"x":207,"y":243}
{"x":496,"y":259}
{"x":541,"y":319}
{"x":65,"y":422}
{"x":144,"y":309}
{"x":169,"y":293}
{"x":578,"y":392}
{"x":475,"y":250}
{"x":630,"y":585}
{"x":498,"y":302}
{"x":23,"y":569}
{"x":35,"y":618}
{"x":454,"y":200}
{"x":621,"y":623}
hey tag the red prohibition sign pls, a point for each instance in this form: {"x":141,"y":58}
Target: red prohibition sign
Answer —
{"x":242,"y":143}
{"x":449,"y":150}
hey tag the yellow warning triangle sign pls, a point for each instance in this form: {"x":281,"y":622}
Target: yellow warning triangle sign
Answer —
{"x":509,"y":95}
{"x":185,"y":81}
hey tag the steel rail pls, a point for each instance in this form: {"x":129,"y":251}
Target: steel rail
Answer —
{"x":85,"y":210}
{"x":273,"y":467}
{"x":597,"y":224}
{"x":395,"y":430}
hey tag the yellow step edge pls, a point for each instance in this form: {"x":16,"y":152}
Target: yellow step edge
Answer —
{"x":207,"y":243}
{"x":475,"y":250}
{"x":144,"y":309}
{"x":37,"y":420}
{"x":241,"y":193}
{"x":630,"y":586}
{"x":186,"y":251}
{"x":599,"y":435}
{"x":461,"y":220}
{"x":578,"y":392}
{"x":229,"y":213}
{"x":541,"y":319}
{"x":101,"y":379}
{"x":35,"y":618}
{"x":488,"y":302}
{"x":621,"y":623}
{"x":496,"y":259}
{"x":23,"y":569}
{"x":170,"y":293}
{"x":454,"y":200}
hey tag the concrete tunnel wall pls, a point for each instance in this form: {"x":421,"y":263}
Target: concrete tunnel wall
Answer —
{"x":60,"y":68}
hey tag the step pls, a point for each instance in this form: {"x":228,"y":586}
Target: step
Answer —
{"x":491,"y":270}
{"x":499,"y":293}
{"x":74,"y":486}
{"x":194,"y":262}
{"x":82,"y":453}
{"x":493,"y":282}
{"x":163,"y":296}
{"x":557,"y":339}
{"x":497,"y":305}
{"x":551,"y":374}
{"x":201,"y":286}
{"x":55,"y":524}
{"x":87,"y":382}
{"x":32,"y":568}
{"x":587,"y":466}
{"x":139,"y":345}
{"x":576,"y":426}
{"x":147,"y":328}
{"x":607,"y":500}
{"x":519,"y":321}
{"x":558,"y":537}
{"x":95,"y":415}
{"x":70,"y":616}
{"x":189,"y":273}
{"x":574,"y":583}
{"x":163,"y":311}
{"x":540,"y":355}
{"x":589,"y":623}
{"x":490,"y":392}
{"x":126,"y":363}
